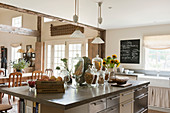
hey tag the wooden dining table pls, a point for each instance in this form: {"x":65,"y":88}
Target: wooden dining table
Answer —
{"x":25,"y":78}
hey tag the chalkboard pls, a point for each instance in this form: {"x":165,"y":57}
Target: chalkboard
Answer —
{"x":130,"y":51}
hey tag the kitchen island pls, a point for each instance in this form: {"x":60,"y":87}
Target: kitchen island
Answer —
{"x":103,"y":99}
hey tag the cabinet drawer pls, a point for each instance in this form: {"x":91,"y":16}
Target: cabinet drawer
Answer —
{"x":127,"y":106}
{"x":126,"y":96}
{"x":141,"y":103}
{"x":141,"y":90}
{"x":112,"y":100}
{"x":97,"y":106}
{"x":113,"y":109}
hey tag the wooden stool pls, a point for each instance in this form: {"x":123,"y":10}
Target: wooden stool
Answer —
{"x":4,"y":108}
{"x":15,"y":80}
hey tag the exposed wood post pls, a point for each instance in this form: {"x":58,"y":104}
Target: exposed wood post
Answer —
{"x":39,"y":28}
{"x":38,"y":46}
{"x":102,"y":46}
{"x":38,"y":56}
{"x":92,"y":49}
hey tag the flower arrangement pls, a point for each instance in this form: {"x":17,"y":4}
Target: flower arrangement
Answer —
{"x":110,"y":62}
{"x":21,"y":64}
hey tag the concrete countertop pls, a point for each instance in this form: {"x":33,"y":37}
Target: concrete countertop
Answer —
{"x":134,"y":74}
{"x":72,"y":97}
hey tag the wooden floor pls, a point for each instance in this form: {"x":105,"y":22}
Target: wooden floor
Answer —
{"x":15,"y":106}
{"x":152,"y":111}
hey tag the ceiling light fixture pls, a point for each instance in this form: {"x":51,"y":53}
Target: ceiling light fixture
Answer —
{"x":77,"y":33}
{"x":98,"y":40}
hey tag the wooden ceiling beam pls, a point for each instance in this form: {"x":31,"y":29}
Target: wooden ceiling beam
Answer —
{"x":18,"y":31}
{"x":14,"y":8}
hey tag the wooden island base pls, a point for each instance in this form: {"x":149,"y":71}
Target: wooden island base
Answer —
{"x":102,"y":99}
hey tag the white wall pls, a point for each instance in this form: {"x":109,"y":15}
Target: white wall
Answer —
{"x":113,"y":37}
{"x":29,"y":21}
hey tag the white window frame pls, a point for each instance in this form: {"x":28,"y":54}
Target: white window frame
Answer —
{"x":66,"y":42}
{"x":14,"y":19}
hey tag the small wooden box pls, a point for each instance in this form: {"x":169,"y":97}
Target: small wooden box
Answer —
{"x":50,"y":87}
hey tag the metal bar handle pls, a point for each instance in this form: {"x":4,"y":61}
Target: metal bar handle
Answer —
{"x":143,"y":96}
{"x":111,"y":109}
{"x":123,"y":105}
{"x":97,"y":103}
{"x":144,"y":110}
{"x":112,"y":98}
{"x":128,"y":93}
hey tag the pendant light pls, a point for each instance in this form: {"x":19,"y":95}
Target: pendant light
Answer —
{"x":98,"y":40}
{"x":77,"y":33}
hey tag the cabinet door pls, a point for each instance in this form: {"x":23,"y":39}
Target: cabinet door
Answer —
{"x":127,"y":106}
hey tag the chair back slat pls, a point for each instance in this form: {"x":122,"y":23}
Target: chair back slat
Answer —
{"x":2,"y":72}
{"x":37,"y":75}
{"x":17,"y":76}
{"x":49,"y":72}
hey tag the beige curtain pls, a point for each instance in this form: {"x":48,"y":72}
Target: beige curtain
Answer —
{"x":159,"y":97}
{"x":157,"y":42}
{"x":15,"y":45}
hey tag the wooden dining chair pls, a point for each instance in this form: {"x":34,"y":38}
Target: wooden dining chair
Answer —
{"x":49,"y":72}
{"x":4,"y":108}
{"x":36,"y":75}
{"x":2,"y":72}
{"x":15,"y":80}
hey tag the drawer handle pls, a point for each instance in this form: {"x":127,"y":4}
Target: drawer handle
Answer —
{"x":97,"y":103}
{"x":143,"y":96}
{"x":127,"y":93}
{"x":111,"y":109}
{"x":139,"y":89}
{"x":144,"y":110}
{"x":123,"y":105}
{"x":114,"y":97}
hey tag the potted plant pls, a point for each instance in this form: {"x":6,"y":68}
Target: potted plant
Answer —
{"x":20,"y":64}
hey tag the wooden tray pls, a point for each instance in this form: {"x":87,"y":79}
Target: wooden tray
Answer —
{"x":50,"y":87}
{"x":121,"y":85}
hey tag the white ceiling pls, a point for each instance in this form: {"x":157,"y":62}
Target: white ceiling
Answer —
{"x":124,"y":13}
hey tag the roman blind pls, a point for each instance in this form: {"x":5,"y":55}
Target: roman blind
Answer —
{"x":157,"y":42}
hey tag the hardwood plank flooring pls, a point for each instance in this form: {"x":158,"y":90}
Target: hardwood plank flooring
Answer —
{"x":152,"y":111}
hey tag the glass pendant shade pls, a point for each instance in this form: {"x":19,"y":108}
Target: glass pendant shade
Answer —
{"x":77,"y":34}
{"x":97,"y":40}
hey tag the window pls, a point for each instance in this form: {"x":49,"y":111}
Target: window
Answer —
{"x":56,"y":50}
{"x":86,"y":49}
{"x":74,"y":49}
{"x":49,"y":57}
{"x":59,"y":53}
{"x":157,"y":59}
{"x":15,"y":55}
{"x":17,"y":21}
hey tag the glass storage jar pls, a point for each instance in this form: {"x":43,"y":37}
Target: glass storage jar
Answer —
{"x":97,"y":62}
{"x":89,"y":76}
{"x":77,"y":68}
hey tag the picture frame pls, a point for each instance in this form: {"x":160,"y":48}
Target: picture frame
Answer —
{"x":33,"y":55}
{"x":28,"y":47}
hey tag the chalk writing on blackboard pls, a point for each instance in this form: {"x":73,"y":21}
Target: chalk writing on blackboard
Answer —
{"x":130,"y":51}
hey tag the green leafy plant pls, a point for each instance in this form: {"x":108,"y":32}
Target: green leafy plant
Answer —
{"x":65,"y":61}
{"x":20,"y":64}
